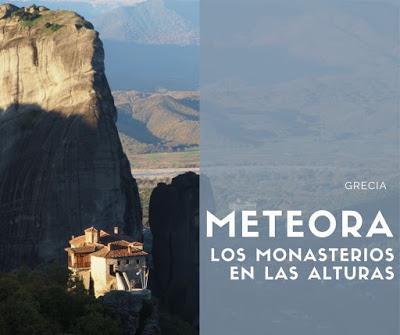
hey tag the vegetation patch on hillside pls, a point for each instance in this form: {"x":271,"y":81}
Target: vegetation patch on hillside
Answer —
{"x":31,"y":17}
{"x":53,"y":26}
{"x":27,"y":19}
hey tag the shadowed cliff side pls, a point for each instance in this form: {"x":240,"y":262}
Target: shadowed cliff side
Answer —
{"x":174,"y":223}
{"x":59,"y":175}
{"x":62,"y":167}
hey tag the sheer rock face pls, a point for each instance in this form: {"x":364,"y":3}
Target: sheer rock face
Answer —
{"x":136,"y":314}
{"x":174,"y":223}
{"x":62,"y":167}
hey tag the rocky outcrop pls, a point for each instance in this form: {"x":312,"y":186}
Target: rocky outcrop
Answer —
{"x":136,"y":314}
{"x":174,"y":223}
{"x":6,"y":10}
{"x":62,"y":167}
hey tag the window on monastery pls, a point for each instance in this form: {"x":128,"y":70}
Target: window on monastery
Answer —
{"x":118,"y":262}
{"x":111,"y":269}
{"x":127,"y":261}
{"x":137,"y":261}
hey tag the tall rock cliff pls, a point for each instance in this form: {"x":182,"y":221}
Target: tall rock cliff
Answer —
{"x":62,"y":167}
{"x":174,"y":223}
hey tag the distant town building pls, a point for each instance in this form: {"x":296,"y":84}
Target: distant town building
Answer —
{"x":106,"y":262}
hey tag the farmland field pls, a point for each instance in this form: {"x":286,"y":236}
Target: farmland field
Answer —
{"x":165,"y":160}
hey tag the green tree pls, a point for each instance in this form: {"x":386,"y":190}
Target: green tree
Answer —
{"x":40,"y":302}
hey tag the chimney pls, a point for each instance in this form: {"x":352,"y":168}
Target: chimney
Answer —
{"x":72,"y":237}
{"x":116,"y":231}
{"x":96,"y":236}
{"x":91,"y":235}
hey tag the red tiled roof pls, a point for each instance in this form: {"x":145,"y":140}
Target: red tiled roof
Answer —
{"x":81,"y":238}
{"x":125,"y":253}
{"x":83,"y":250}
{"x":101,"y":252}
{"x":78,"y":240}
{"x":122,"y":243}
{"x":100,"y":249}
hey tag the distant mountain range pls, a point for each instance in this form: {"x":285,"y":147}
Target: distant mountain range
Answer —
{"x":161,"y":121}
{"x":149,"y":22}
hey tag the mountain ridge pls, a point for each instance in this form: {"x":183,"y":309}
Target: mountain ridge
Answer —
{"x":158,"y":121}
{"x":150,"y":23}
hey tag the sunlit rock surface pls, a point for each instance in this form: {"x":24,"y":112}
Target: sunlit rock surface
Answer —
{"x":62,"y":167}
